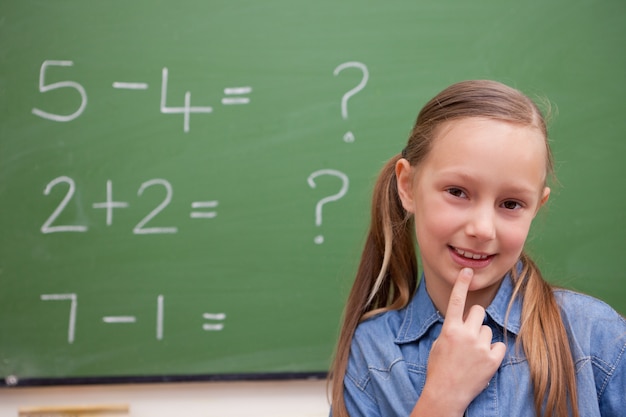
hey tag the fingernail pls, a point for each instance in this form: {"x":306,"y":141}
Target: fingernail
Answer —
{"x":467,"y":271}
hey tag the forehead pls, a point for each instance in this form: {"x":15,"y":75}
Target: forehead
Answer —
{"x":491,"y":148}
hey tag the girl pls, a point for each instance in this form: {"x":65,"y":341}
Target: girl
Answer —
{"x":482,"y":333}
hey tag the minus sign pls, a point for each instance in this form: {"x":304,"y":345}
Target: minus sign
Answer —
{"x":119,"y":319}
{"x":130,"y":86}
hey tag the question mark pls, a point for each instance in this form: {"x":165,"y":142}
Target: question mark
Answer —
{"x":318,"y":207}
{"x":349,"y":137}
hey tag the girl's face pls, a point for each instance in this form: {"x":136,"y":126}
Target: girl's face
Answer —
{"x":473,"y":199}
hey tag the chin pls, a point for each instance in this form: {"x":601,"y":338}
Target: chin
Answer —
{"x":485,"y":279}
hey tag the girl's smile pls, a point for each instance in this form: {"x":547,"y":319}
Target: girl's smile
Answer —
{"x":473,"y":199}
{"x":468,"y":259}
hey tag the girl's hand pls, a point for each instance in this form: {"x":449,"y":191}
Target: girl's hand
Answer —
{"x":462,"y":359}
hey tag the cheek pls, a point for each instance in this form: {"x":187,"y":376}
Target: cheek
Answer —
{"x":513,"y":236}
{"x":435,"y":222}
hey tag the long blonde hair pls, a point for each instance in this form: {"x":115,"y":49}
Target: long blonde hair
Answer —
{"x":387,"y":275}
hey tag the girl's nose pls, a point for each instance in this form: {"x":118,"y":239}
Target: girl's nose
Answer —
{"x":481,"y":224}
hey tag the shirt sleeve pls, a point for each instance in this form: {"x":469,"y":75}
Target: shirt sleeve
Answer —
{"x":612,"y":396}
{"x":359,"y":402}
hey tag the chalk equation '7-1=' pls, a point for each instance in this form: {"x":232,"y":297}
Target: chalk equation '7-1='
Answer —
{"x":215,"y":320}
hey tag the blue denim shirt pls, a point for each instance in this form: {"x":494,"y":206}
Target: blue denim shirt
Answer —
{"x":389,"y":353}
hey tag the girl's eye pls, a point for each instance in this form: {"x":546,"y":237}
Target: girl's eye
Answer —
{"x":457,"y":192}
{"x":511,"y":205}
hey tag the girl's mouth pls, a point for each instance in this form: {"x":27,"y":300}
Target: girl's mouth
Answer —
{"x":470,"y":259}
{"x":469,"y":255}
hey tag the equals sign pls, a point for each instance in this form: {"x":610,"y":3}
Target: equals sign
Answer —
{"x":203,"y":205}
{"x":235,"y":94}
{"x":215,"y":327}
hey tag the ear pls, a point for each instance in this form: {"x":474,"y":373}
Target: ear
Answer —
{"x":404,"y":178}
{"x":544,"y":198}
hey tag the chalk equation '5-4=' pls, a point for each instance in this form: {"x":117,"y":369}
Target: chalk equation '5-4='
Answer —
{"x":232,"y":95}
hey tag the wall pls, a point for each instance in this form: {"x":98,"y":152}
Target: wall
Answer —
{"x":300,"y":398}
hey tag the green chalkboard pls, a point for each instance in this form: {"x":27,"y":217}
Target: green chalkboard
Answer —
{"x":185,"y":185}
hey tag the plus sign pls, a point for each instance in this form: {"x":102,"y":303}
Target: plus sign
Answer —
{"x":109,"y":205}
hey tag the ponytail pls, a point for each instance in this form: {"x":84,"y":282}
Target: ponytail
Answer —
{"x":387,"y":275}
{"x":544,"y":340}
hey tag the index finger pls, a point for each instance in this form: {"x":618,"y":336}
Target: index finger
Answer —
{"x":456,"y":304}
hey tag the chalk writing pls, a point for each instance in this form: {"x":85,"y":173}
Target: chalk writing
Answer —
{"x":130,"y":86}
{"x":213,"y":327}
{"x":345,"y":182}
{"x":159,"y":318}
{"x":139,"y":229}
{"x":44,"y":88}
{"x":73,"y":307}
{"x":46,"y":227}
{"x":199,"y":208}
{"x":216,"y":320}
{"x":109,"y":204}
{"x":203,"y":214}
{"x":348,"y":137}
{"x":187,"y":110}
{"x":119,"y":319}
{"x":236,"y":91}
{"x":233,"y":95}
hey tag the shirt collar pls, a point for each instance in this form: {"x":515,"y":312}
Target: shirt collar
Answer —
{"x":420,"y":314}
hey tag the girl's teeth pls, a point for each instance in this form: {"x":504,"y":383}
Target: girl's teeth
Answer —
{"x":470,"y":255}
